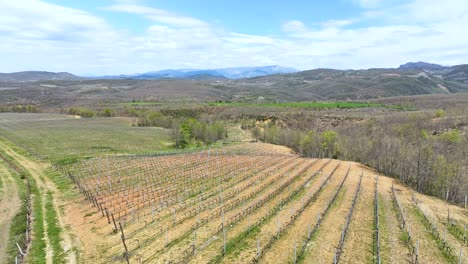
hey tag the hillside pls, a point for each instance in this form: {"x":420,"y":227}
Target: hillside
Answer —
{"x":327,"y":84}
{"x":223,"y":73}
{"x":312,"y":85}
{"x":32,"y":76}
{"x":244,"y":204}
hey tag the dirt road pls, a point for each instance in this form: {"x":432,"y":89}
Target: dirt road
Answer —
{"x":45,"y":185}
{"x":9,"y":206}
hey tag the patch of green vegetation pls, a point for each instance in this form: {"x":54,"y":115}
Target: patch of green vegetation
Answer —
{"x":307,"y":104}
{"x":339,"y":197}
{"x":53,"y":230}
{"x":141,"y":103}
{"x":64,"y":184}
{"x":239,"y":240}
{"x":384,"y":240}
{"x":36,"y":252}
{"x":445,"y":249}
{"x":18,"y":228}
{"x":64,"y":140}
{"x":457,"y":231}
{"x":66,"y":161}
{"x":89,"y":214}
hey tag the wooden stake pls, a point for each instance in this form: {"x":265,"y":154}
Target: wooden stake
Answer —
{"x":295,"y":252}
{"x":258,"y":248}
{"x":113,"y":220}
{"x":123,"y":241}
{"x":460,"y":256}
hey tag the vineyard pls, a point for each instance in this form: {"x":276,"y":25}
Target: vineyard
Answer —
{"x":59,"y":138}
{"x":256,"y":203}
{"x":137,"y":201}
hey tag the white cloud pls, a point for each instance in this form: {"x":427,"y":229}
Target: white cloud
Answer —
{"x":158,"y":15}
{"x":294,"y":26}
{"x":368,"y":3}
{"x":42,"y":36}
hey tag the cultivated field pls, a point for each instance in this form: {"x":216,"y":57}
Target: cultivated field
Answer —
{"x":241,"y":203}
{"x":254,"y":203}
{"x":58,"y":138}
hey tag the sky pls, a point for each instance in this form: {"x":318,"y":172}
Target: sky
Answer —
{"x":132,"y":36}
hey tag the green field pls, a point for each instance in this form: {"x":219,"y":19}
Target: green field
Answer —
{"x":327,"y":105}
{"x":60,"y":137}
{"x":141,"y":103}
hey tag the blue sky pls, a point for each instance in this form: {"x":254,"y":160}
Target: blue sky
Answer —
{"x":128,"y":36}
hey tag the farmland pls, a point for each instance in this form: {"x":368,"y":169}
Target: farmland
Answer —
{"x":56,"y":137}
{"x":317,"y":105}
{"x":139,"y":202}
{"x":248,"y":204}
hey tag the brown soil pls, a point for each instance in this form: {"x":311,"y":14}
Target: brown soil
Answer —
{"x":392,"y":247}
{"x":282,"y":251}
{"x":322,"y":248}
{"x":428,"y":250}
{"x":359,"y":239}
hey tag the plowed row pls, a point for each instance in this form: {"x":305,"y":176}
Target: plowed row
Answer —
{"x":242,"y":205}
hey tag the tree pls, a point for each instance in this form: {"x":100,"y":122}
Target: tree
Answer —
{"x":329,"y":144}
{"x":256,"y":133}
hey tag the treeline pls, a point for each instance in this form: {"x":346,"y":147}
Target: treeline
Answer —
{"x":87,"y":112}
{"x":430,"y":154}
{"x":188,"y":128}
{"x":19,"y":108}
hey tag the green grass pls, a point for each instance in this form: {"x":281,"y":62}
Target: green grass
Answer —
{"x":63,"y":140}
{"x":53,"y":230}
{"x":446,"y":250}
{"x":18,"y":227}
{"x":239,"y":240}
{"x":36,"y":252}
{"x":64,"y":184}
{"x":457,"y":231}
{"x":141,"y":103}
{"x":309,"y":105}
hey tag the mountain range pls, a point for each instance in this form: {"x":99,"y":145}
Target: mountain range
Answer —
{"x":270,"y":83}
{"x":223,"y":73}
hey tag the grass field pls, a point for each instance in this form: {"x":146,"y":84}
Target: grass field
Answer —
{"x":61,"y":137}
{"x":318,"y":105}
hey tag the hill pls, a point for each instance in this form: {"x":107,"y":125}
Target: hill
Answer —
{"x":223,"y":73}
{"x":313,"y":85}
{"x":32,"y":76}
{"x":420,"y":65}
{"x":327,"y":84}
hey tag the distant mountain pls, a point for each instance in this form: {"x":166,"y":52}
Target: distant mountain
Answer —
{"x":230,"y":73}
{"x":249,"y":72}
{"x":32,"y":76}
{"x":420,"y":65}
{"x":457,"y":73}
{"x":320,"y":84}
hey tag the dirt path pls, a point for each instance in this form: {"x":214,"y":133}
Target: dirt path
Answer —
{"x":392,"y":247}
{"x":322,"y":248}
{"x":9,"y":206}
{"x":359,"y":240}
{"x":37,"y":170}
{"x":428,"y":250}
{"x":282,"y":251}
